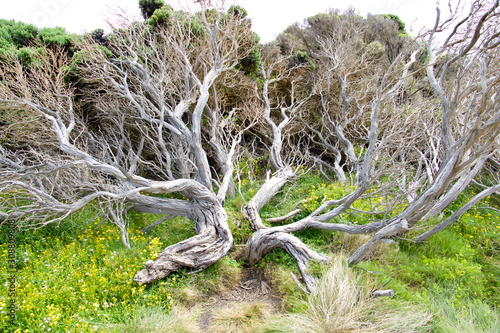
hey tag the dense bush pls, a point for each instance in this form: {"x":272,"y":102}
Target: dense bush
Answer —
{"x":55,"y":36}
{"x":237,"y":11}
{"x":16,"y":34}
{"x":148,"y":7}
{"x":161,"y":15}
{"x":27,"y":41}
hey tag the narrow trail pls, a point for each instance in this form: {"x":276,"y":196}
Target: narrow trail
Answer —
{"x":252,"y":287}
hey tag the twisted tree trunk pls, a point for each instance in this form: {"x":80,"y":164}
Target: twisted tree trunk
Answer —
{"x":212,"y":241}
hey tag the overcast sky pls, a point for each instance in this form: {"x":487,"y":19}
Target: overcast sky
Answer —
{"x":270,"y":17}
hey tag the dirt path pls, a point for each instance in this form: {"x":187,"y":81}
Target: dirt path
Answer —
{"x":253,"y":287}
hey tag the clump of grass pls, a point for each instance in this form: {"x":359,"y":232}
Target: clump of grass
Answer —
{"x":188,"y":296}
{"x":342,"y":304}
{"x":222,"y":276}
{"x":281,"y":279}
{"x":157,"y":320}
{"x":471,"y":316}
{"x":241,"y":318}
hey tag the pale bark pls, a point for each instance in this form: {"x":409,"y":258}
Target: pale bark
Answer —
{"x":266,"y":240}
{"x":439,"y":168}
{"x":283,"y":171}
{"x":265,"y":193}
{"x":456,"y":215}
{"x":150,"y":115}
{"x":213,"y":238}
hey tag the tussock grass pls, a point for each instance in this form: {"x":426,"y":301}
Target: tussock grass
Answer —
{"x":222,"y":276}
{"x":241,"y":318}
{"x":470,"y":316}
{"x":188,"y":296}
{"x":351,"y":242}
{"x":285,"y":285}
{"x":157,"y":320}
{"x":342,"y":304}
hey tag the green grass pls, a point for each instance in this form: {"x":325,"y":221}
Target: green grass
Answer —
{"x":156,"y":320}
{"x":78,"y":276}
{"x":473,"y":316}
{"x":342,"y":303}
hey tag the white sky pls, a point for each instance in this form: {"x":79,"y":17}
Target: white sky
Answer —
{"x":269,"y":17}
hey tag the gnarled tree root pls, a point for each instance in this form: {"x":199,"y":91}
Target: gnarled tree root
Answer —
{"x":210,"y":245}
{"x":265,"y":240}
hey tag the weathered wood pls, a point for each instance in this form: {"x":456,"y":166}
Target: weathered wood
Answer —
{"x":265,"y":240}
{"x":383,"y":293}
{"x":263,"y":195}
{"x":212,"y":242}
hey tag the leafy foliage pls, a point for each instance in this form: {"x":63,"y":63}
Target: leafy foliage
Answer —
{"x":98,"y":36}
{"x":237,"y":11}
{"x":396,"y":19}
{"x":161,"y":15}
{"x":28,"y":55}
{"x":18,"y":38}
{"x":148,"y":7}
{"x":16,"y":34}
{"x":27,"y":41}
{"x":57,"y":37}
{"x":252,"y":64}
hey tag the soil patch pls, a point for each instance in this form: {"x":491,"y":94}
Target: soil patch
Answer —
{"x":252,"y":287}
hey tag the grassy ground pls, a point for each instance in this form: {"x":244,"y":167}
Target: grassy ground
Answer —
{"x":78,"y":278}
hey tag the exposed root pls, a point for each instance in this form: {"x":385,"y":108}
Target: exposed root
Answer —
{"x":198,"y":252}
{"x":265,"y":240}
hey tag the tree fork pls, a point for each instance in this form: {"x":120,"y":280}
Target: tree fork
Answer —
{"x":265,"y":240}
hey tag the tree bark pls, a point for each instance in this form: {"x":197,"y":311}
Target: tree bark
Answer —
{"x":212,"y":241}
{"x":265,"y":240}
{"x":263,"y":195}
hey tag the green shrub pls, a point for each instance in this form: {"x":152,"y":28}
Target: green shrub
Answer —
{"x":238,"y":11}
{"x":98,"y":36}
{"x":16,"y":34}
{"x":54,"y":36}
{"x":252,"y":64}
{"x":396,"y":19}
{"x":161,"y":15}
{"x":196,"y":26}
{"x":27,"y":55}
{"x":148,"y":7}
